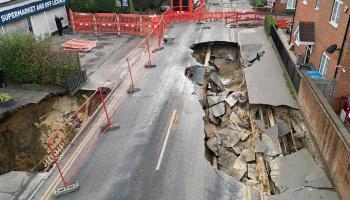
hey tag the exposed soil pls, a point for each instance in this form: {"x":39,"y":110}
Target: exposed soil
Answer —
{"x":23,"y":134}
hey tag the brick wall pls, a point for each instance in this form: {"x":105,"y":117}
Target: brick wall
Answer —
{"x":325,"y":35}
{"x":280,"y":6}
{"x":332,"y":138}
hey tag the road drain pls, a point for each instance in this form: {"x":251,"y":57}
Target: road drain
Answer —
{"x":234,"y":129}
{"x":23,"y":135}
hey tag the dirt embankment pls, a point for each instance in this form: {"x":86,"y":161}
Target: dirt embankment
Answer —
{"x":23,"y":134}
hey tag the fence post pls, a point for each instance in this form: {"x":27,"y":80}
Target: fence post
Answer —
{"x":72,"y":21}
{"x":105,"y":108}
{"x":56,"y":163}
{"x":149,"y":53}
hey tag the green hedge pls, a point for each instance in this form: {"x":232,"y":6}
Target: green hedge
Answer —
{"x":27,"y":60}
{"x":268,"y":23}
{"x":258,"y":3}
{"x":93,"y":6}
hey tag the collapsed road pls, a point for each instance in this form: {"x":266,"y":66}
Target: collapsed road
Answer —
{"x":155,"y":155}
{"x":161,"y":150}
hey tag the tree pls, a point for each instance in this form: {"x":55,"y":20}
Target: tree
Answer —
{"x":94,"y":6}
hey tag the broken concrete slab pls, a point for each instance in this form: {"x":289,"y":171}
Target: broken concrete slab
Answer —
{"x":218,"y":110}
{"x":198,"y":75}
{"x":306,"y":172}
{"x":305,"y":194}
{"x":260,"y":147}
{"x":244,"y":135}
{"x":214,"y":100}
{"x":283,"y":128}
{"x":272,"y":133}
{"x":313,"y":180}
{"x":210,"y":130}
{"x":265,"y":81}
{"x":236,"y":120}
{"x":212,"y":144}
{"x":231,"y":101}
{"x":228,"y":137}
{"x":251,"y":171}
{"x":213,"y":119}
{"x":226,"y":158}
{"x":272,"y":149}
{"x":239,"y":168}
{"x":216,"y":83}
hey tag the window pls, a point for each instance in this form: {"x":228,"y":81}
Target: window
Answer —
{"x":317,"y":6}
{"x":324,"y":64}
{"x":291,"y":4}
{"x":336,"y":12}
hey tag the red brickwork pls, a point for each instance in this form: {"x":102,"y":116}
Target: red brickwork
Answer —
{"x":325,"y":35}
{"x":279,"y":6}
{"x":332,"y":138}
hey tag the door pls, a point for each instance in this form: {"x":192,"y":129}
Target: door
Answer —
{"x":308,"y":54}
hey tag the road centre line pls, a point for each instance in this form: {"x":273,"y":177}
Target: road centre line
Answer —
{"x":165,"y":141}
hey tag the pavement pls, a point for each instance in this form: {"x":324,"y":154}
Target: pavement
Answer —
{"x":17,"y":185}
{"x":265,"y":73}
{"x":104,"y":58}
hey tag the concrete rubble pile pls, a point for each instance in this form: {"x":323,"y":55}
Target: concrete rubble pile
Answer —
{"x":248,"y":142}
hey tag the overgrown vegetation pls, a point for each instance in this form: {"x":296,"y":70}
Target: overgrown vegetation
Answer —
{"x":27,"y":60}
{"x":258,"y":3}
{"x":268,"y":23}
{"x":4,"y":97}
{"x":94,"y":6}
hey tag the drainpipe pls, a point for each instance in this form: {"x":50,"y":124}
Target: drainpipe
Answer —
{"x":291,"y":31}
{"x":342,"y":48}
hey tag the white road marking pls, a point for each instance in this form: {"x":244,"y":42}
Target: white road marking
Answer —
{"x":165,"y":141}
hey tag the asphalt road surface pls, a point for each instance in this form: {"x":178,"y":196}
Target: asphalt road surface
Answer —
{"x":159,"y":150}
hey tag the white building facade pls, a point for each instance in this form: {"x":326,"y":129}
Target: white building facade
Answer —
{"x":36,"y":16}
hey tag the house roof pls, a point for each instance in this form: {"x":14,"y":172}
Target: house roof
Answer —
{"x":307,"y":31}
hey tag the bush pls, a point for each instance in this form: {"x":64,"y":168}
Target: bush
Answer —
{"x":258,"y":3}
{"x":268,"y":23}
{"x":93,"y":6}
{"x":27,"y":60}
{"x":4,"y":97}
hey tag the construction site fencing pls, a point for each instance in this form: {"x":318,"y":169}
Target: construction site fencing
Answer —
{"x":134,"y":24}
{"x":99,"y":111}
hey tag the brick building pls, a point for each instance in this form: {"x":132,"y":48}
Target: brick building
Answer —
{"x":319,"y":24}
{"x":284,"y":6}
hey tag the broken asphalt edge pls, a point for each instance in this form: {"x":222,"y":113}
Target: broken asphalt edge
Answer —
{"x":90,"y":120}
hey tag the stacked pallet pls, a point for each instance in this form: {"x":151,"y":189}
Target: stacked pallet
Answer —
{"x":79,"y":45}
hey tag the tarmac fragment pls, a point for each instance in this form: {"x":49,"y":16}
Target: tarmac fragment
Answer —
{"x":214,"y":100}
{"x":212,"y":145}
{"x":210,"y":130}
{"x":239,"y":168}
{"x":218,"y":110}
{"x":216,"y":84}
{"x":283,"y":128}
{"x":228,"y":137}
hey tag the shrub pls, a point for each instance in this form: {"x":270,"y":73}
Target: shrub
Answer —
{"x":4,"y":97}
{"x":268,"y":23}
{"x":93,"y":6}
{"x":27,"y":60}
{"x":258,"y":3}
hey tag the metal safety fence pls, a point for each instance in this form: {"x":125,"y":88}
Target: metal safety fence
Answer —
{"x":106,"y":102}
{"x":134,"y":24}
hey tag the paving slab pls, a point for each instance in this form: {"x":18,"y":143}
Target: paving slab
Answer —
{"x":265,"y":81}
